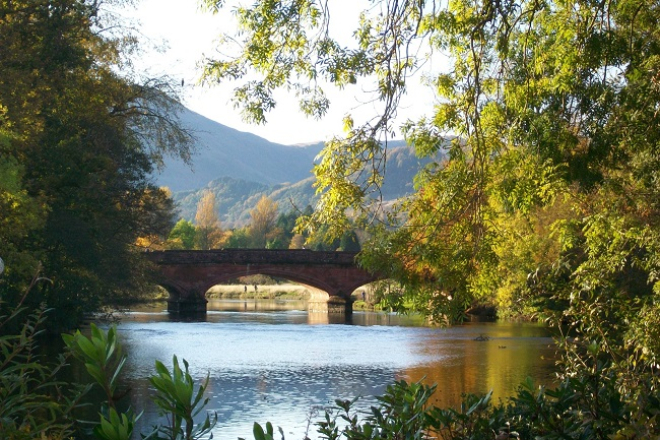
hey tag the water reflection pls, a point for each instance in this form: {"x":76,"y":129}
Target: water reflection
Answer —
{"x":511,"y":353}
{"x":272,"y":365}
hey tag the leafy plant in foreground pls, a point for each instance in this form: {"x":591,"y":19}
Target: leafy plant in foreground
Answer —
{"x":34,"y":404}
{"x":402,"y":413}
{"x":178,"y":400}
{"x":267,"y":434}
{"x":102,"y":357}
{"x":175,"y":391}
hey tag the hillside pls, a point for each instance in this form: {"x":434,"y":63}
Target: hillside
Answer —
{"x":236,"y":197}
{"x":225,"y":152}
{"x":240,"y":167}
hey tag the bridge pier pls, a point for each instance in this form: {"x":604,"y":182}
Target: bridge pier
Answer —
{"x":195,"y":305}
{"x":334,"y":305}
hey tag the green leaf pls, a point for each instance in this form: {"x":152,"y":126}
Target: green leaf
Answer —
{"x":258,"y":432}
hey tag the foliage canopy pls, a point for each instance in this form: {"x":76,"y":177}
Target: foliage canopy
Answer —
{"x":543,"y":197}
{"x":79,"y":137}
{"x":546,"y":129}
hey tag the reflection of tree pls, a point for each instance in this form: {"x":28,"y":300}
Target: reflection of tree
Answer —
{"x":499,"y":364}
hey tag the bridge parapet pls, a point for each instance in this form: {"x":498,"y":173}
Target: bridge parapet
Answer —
{"x":253,"y":256}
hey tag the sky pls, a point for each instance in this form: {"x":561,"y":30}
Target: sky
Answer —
{"x":184,"y":35}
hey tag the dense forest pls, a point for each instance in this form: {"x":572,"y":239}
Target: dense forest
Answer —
{"x":79,"y":136}
{"x":545,"y":204}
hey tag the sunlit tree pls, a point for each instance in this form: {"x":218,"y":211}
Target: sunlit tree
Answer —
{"x":238,"y":239}
{"x":546,"y":122}
{"x":262,"y":222}
{"x":208,"y":233}
{"x":542,"y":194}
{"x":297,"y":242}
{"x":182,"y":235}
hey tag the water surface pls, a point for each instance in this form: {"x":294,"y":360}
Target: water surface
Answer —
{"x":275,"y":362}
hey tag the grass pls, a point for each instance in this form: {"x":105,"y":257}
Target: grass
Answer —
{"x":271,"y":291}
{"x":358,"y":304}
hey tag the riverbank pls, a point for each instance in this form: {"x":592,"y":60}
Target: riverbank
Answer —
{"x":264,"y":291}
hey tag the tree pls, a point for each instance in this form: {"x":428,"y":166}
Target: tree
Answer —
{"x":284,"y":225}
{"x":20,"y":215}
{"x":297,"y":242}
{"x":349,"y":242}
{"x":159,"y":204}
{"x":84,"y":141}
{"x":546,"y":105}
{"x":208,"y":234}
{"x":546,"y":194}
{"x":262,"y":222}
{"x":320,"y":241}
{"x":238,"y":239}
{"x":182,"y":235}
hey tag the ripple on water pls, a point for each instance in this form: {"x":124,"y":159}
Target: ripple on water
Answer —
{"x":274,"y":367}
{"x":217,"y":347}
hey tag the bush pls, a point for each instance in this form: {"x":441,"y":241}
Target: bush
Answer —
{"x":34,"y":404}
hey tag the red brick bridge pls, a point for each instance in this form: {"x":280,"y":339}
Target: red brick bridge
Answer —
{"x":330,"y":277}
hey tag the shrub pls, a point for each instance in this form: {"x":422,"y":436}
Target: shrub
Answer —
{"x":35,"y":404}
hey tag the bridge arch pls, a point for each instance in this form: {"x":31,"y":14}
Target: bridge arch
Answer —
{"x":188,"y":275}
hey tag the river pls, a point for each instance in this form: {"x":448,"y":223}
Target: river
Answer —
{"x":272,"y":361}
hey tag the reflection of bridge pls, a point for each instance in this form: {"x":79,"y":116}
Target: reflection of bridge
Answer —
{"x":330,"y":277}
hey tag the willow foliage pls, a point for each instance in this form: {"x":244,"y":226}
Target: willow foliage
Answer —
{"x":545,"y":139}
{"x":80,"y":135}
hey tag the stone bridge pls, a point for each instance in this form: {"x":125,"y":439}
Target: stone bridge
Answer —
{"x":330,"y":277}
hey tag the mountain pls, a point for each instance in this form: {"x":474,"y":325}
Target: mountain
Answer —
{"x":240,"y":167}
{"x":225,"y":152}
{"x":236,"y":197}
